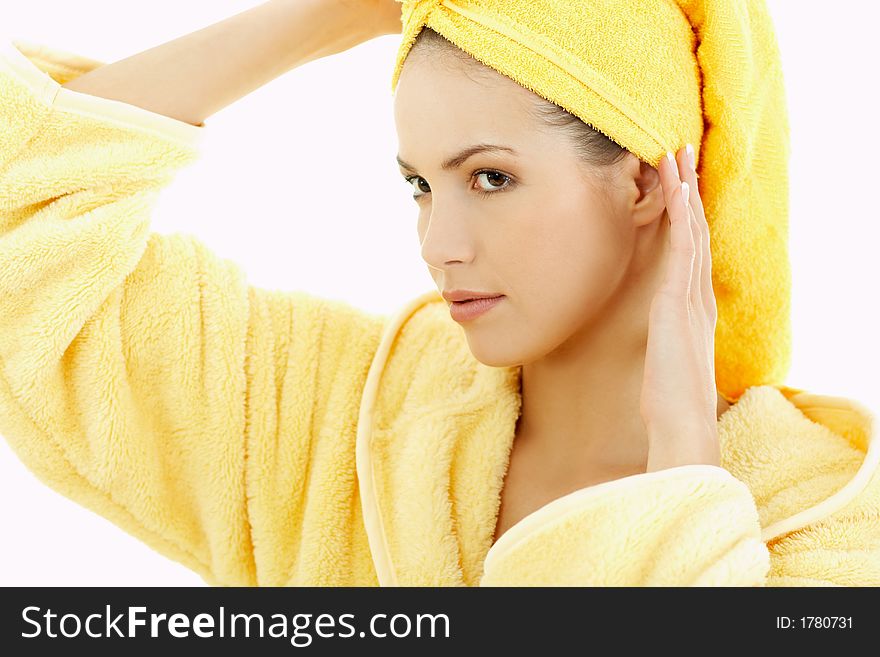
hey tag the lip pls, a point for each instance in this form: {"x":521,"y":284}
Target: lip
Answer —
{"x":467,"y":295}
{"x":463,"y":311}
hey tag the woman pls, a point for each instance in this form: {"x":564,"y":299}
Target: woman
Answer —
{"x":569,"y":433}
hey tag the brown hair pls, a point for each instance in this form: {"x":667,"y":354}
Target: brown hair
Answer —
{"x":595,"y":150}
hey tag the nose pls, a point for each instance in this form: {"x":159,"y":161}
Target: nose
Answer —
{"x":445,"y":239}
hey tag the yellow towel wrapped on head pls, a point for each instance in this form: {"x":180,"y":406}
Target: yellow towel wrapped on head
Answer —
{"x":653,"y":75}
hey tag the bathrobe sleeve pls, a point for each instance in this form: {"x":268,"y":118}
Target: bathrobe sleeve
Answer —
{"x":694,"y":525}
{"x":140,"y":376}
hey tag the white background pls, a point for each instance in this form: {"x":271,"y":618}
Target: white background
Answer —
{"x":298,"y":186}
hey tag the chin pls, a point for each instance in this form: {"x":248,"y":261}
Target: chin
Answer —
{"x":493,"y":353}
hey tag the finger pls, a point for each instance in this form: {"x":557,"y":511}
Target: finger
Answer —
{"x":702,"y":295}
{"x":695,"y":286}
{"x":682,"y":248}
{"x":689,"y":174}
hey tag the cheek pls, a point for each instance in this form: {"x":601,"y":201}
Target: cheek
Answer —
{"x":570,"y":269}
{"x":570,"y":256}
{"x":559,"y":266}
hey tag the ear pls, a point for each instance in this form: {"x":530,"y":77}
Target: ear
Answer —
{"x":642,"y":190}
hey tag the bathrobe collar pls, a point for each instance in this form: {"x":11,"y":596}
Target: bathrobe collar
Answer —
{"x":436,"y":428}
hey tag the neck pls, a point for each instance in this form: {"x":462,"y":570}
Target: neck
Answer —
{"x":582,"y":401}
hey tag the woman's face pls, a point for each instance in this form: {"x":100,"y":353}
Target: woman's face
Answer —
{"x":533,"y":226}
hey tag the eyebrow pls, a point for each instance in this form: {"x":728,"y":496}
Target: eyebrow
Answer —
{"x":459,"y":158}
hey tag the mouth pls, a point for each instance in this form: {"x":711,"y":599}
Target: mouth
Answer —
{"x":463,"y":301}
{"x":470,"y":309}
{"x":456,"y":296}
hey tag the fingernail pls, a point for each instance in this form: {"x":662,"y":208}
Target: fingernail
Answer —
{"x":685,"y":191}
{"x":691,"y":157}
{"x":671,"y":158}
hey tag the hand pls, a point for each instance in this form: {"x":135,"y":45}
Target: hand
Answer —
{"x":679,"y":397}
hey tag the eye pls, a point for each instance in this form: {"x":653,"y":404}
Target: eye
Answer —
{"x":410,"y":180}
{"x":506,"y":182}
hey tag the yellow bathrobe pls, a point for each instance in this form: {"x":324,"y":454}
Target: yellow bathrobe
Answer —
{"x":264,"y":438}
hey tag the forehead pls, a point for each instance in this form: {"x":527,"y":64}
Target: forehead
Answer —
{"x":448,"y":104}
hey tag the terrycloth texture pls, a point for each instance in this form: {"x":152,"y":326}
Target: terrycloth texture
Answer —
{"x":269,"y":438}
{"x":653,"y":75}
{"x":796,"y":500}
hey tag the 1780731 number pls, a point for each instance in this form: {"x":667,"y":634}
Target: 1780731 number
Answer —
{"x":814,"y":622}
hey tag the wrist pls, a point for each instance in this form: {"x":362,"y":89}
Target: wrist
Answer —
{"x":667,"y":450}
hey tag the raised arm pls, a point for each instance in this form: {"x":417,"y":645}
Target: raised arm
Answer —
{"x":198,"y":74}
{"x":140,"y":375}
